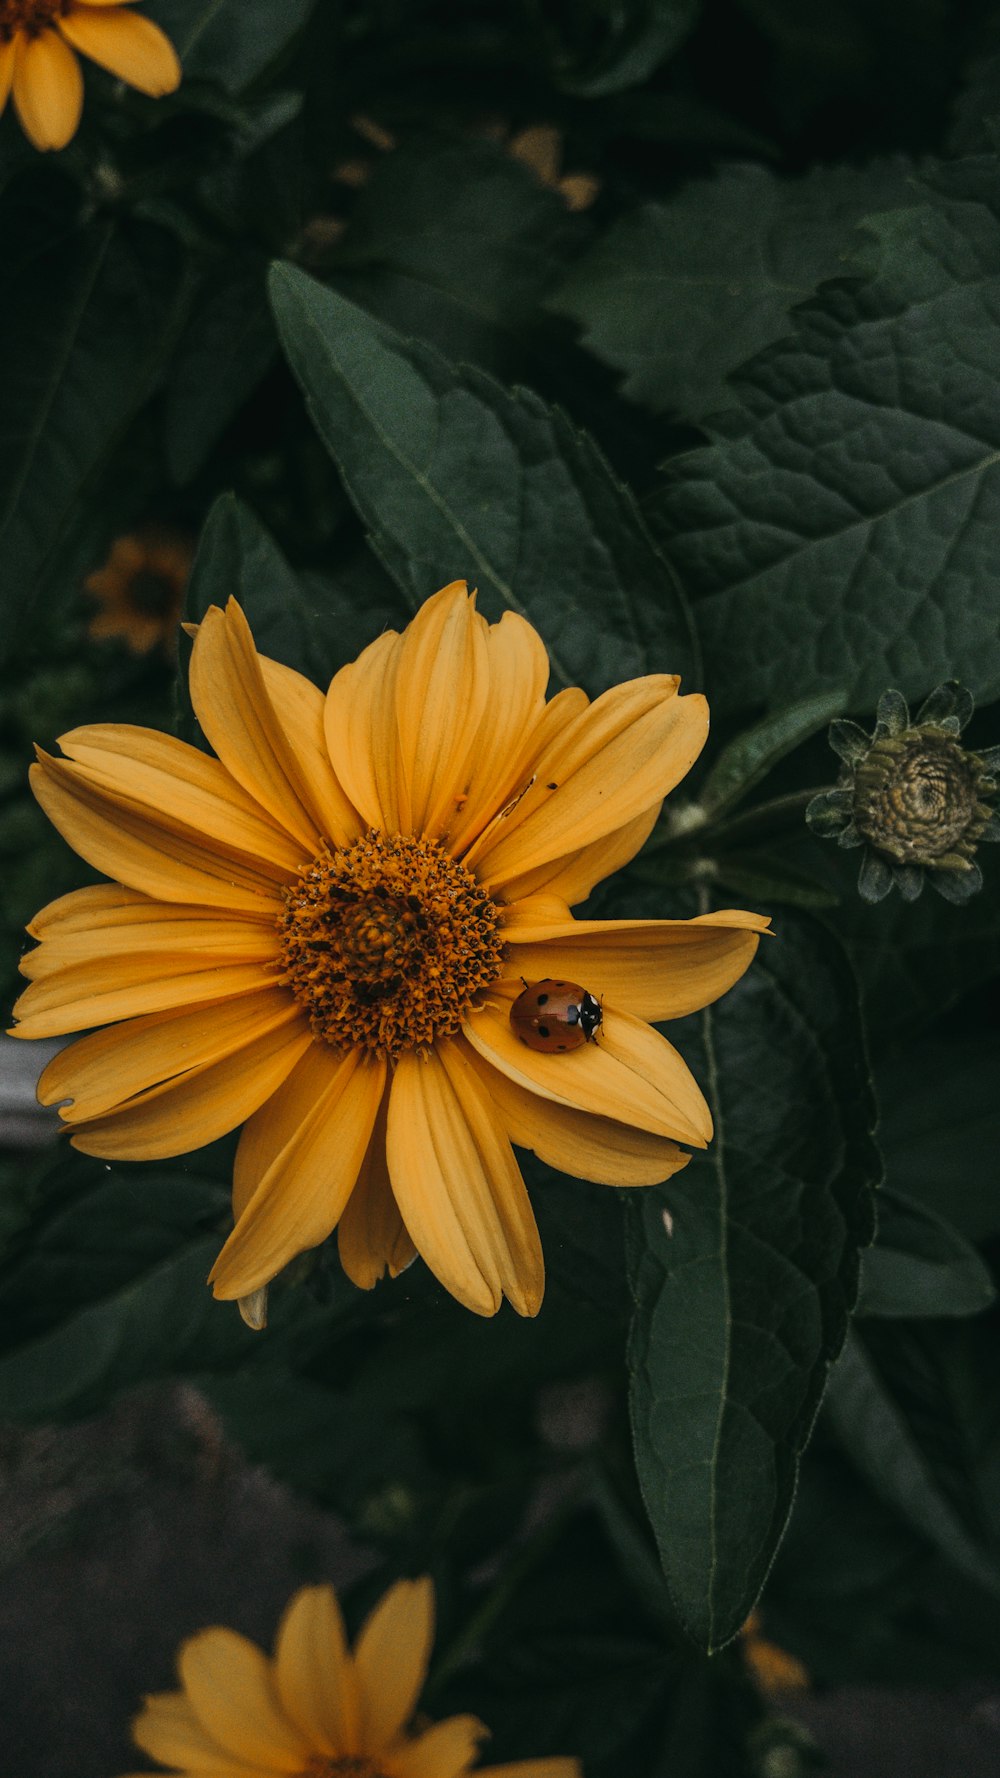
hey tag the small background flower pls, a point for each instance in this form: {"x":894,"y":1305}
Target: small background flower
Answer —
{"x":918,"y":802}
{"x":139,"y":590}
{"x":319,"y":1709}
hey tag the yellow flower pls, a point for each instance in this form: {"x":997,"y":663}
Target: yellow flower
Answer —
{"x":37,"y":61}
{"x":321,"y":933}
{"x":140,"y":590}
{"x":318,"y":1709}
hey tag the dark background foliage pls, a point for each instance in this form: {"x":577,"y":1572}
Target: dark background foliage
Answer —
{"x":702,"y":378}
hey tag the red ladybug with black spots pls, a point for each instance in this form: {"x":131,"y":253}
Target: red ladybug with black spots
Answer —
{"x":556,"y":1016}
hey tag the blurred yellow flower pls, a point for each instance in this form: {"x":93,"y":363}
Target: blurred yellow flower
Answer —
{"x":38,"y":65}
{"x":322,"y":932}
{"x":772,"y":1668}
{"x":318,"y":1709}
{"x":139,"y":590}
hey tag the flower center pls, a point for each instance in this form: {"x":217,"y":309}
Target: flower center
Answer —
{"x":152,"y":594}
{"x":386,"y":944}
{"x":916,"y":797}
{"x":31,"y":16}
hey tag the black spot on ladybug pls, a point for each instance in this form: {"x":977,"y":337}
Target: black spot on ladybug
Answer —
{"x":542,"y":998}
{"x":543,"y":1031}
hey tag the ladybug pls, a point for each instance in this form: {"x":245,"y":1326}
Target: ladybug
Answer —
{"x":558,"y":1016}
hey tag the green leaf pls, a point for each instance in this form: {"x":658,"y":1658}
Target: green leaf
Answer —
{"x":742,"y":1296}
{"x":457,"y":243}
{"x":677,"y":295}
{"x":607,"y":46}
{"x":919,"y":1264}
{"x":843,"y":528}
{"x":940,"y":1128}
{"x":229,"y":41}
{"x":70,"y":384}
{"x":915,"y":959}
{"x":222,"y":354}
{"x":751,"y":756}
{"x":457,"y":478}
{"x":874,"y":1430}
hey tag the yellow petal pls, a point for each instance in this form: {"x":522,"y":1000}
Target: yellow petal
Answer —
{"x":390,"y":1659}
{"x":609,"y":766}
{"x":189,"y":793}
{"x":518,"y":674}
{"x":232,"y":705}
{"x":197,"y":1107}
{"x":301,"y":1194}
{"x":445,"y":1751}
{"x":110,"y":1067}
{"x":576,"y":874}
{"x":299,"y":708}
{"x":48,"y":89}
{"x":458,"y":1186}
{"x":631,"y":1074}
{"x":182,"y":939}
{"x":655,"y":969}
{"x":138,"y":850}
{"x":169,"y":1731}
{"x":577,"y":1142}
{"x":315,"y":1675}
{"x":106,"y":990}
{"x":361,"y":737}
{"x":231,"y":1689}
{"x":8,"y":53}
{"x":103,"y":907}
{"x":127,"y":44}
{"x":442,"y":688}
{"x":371,"y":1238}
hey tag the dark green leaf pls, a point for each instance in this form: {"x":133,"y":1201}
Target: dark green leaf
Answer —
{"x":919,"y":1264}
{"x":677,"y":295}
{"x":604,"y":46}
{"x":70,"y":383}
{"x":229,"y":41}
{"x":877,"y":1434}
{"x":457,"y":478}
{"x":742,"y":1302}
{"x":747,"y":760}
{"x":940,"y":1128}
{"x":843,"y":530}
{"x":224,"y":351}
{"x":457,"y":243}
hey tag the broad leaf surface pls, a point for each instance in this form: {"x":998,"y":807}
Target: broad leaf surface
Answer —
{"x":920,"y":1266}
{"x":458,"y":243}
{"x":70,"y":382}
{"x":912,"y":1435}
{"x":600,"y":48}
{"x":844,"y":527}
{"x":941,"y":1145}
{"x":743,"y":1306}
{"x":230,"y":41}
{"x":456,"y":478}
{"x":677,"y":295}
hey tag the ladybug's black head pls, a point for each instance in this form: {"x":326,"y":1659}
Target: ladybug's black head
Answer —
{"x":591,"y":1016}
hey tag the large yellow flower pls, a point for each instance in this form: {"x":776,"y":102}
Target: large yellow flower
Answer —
{"x":321,"y":932}
{"x":318,"y":1710}
{"x":38,"y":39}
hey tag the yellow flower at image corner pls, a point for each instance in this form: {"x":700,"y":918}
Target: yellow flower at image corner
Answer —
{"x":139,"y":590}
{"x":320,"y":935}
{"x":318,"y":1709}
{"x":39,"y":41}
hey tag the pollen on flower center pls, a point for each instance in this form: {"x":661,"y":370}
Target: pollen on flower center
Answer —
{"x":387,"y":944}
{"x":31,"y":16}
